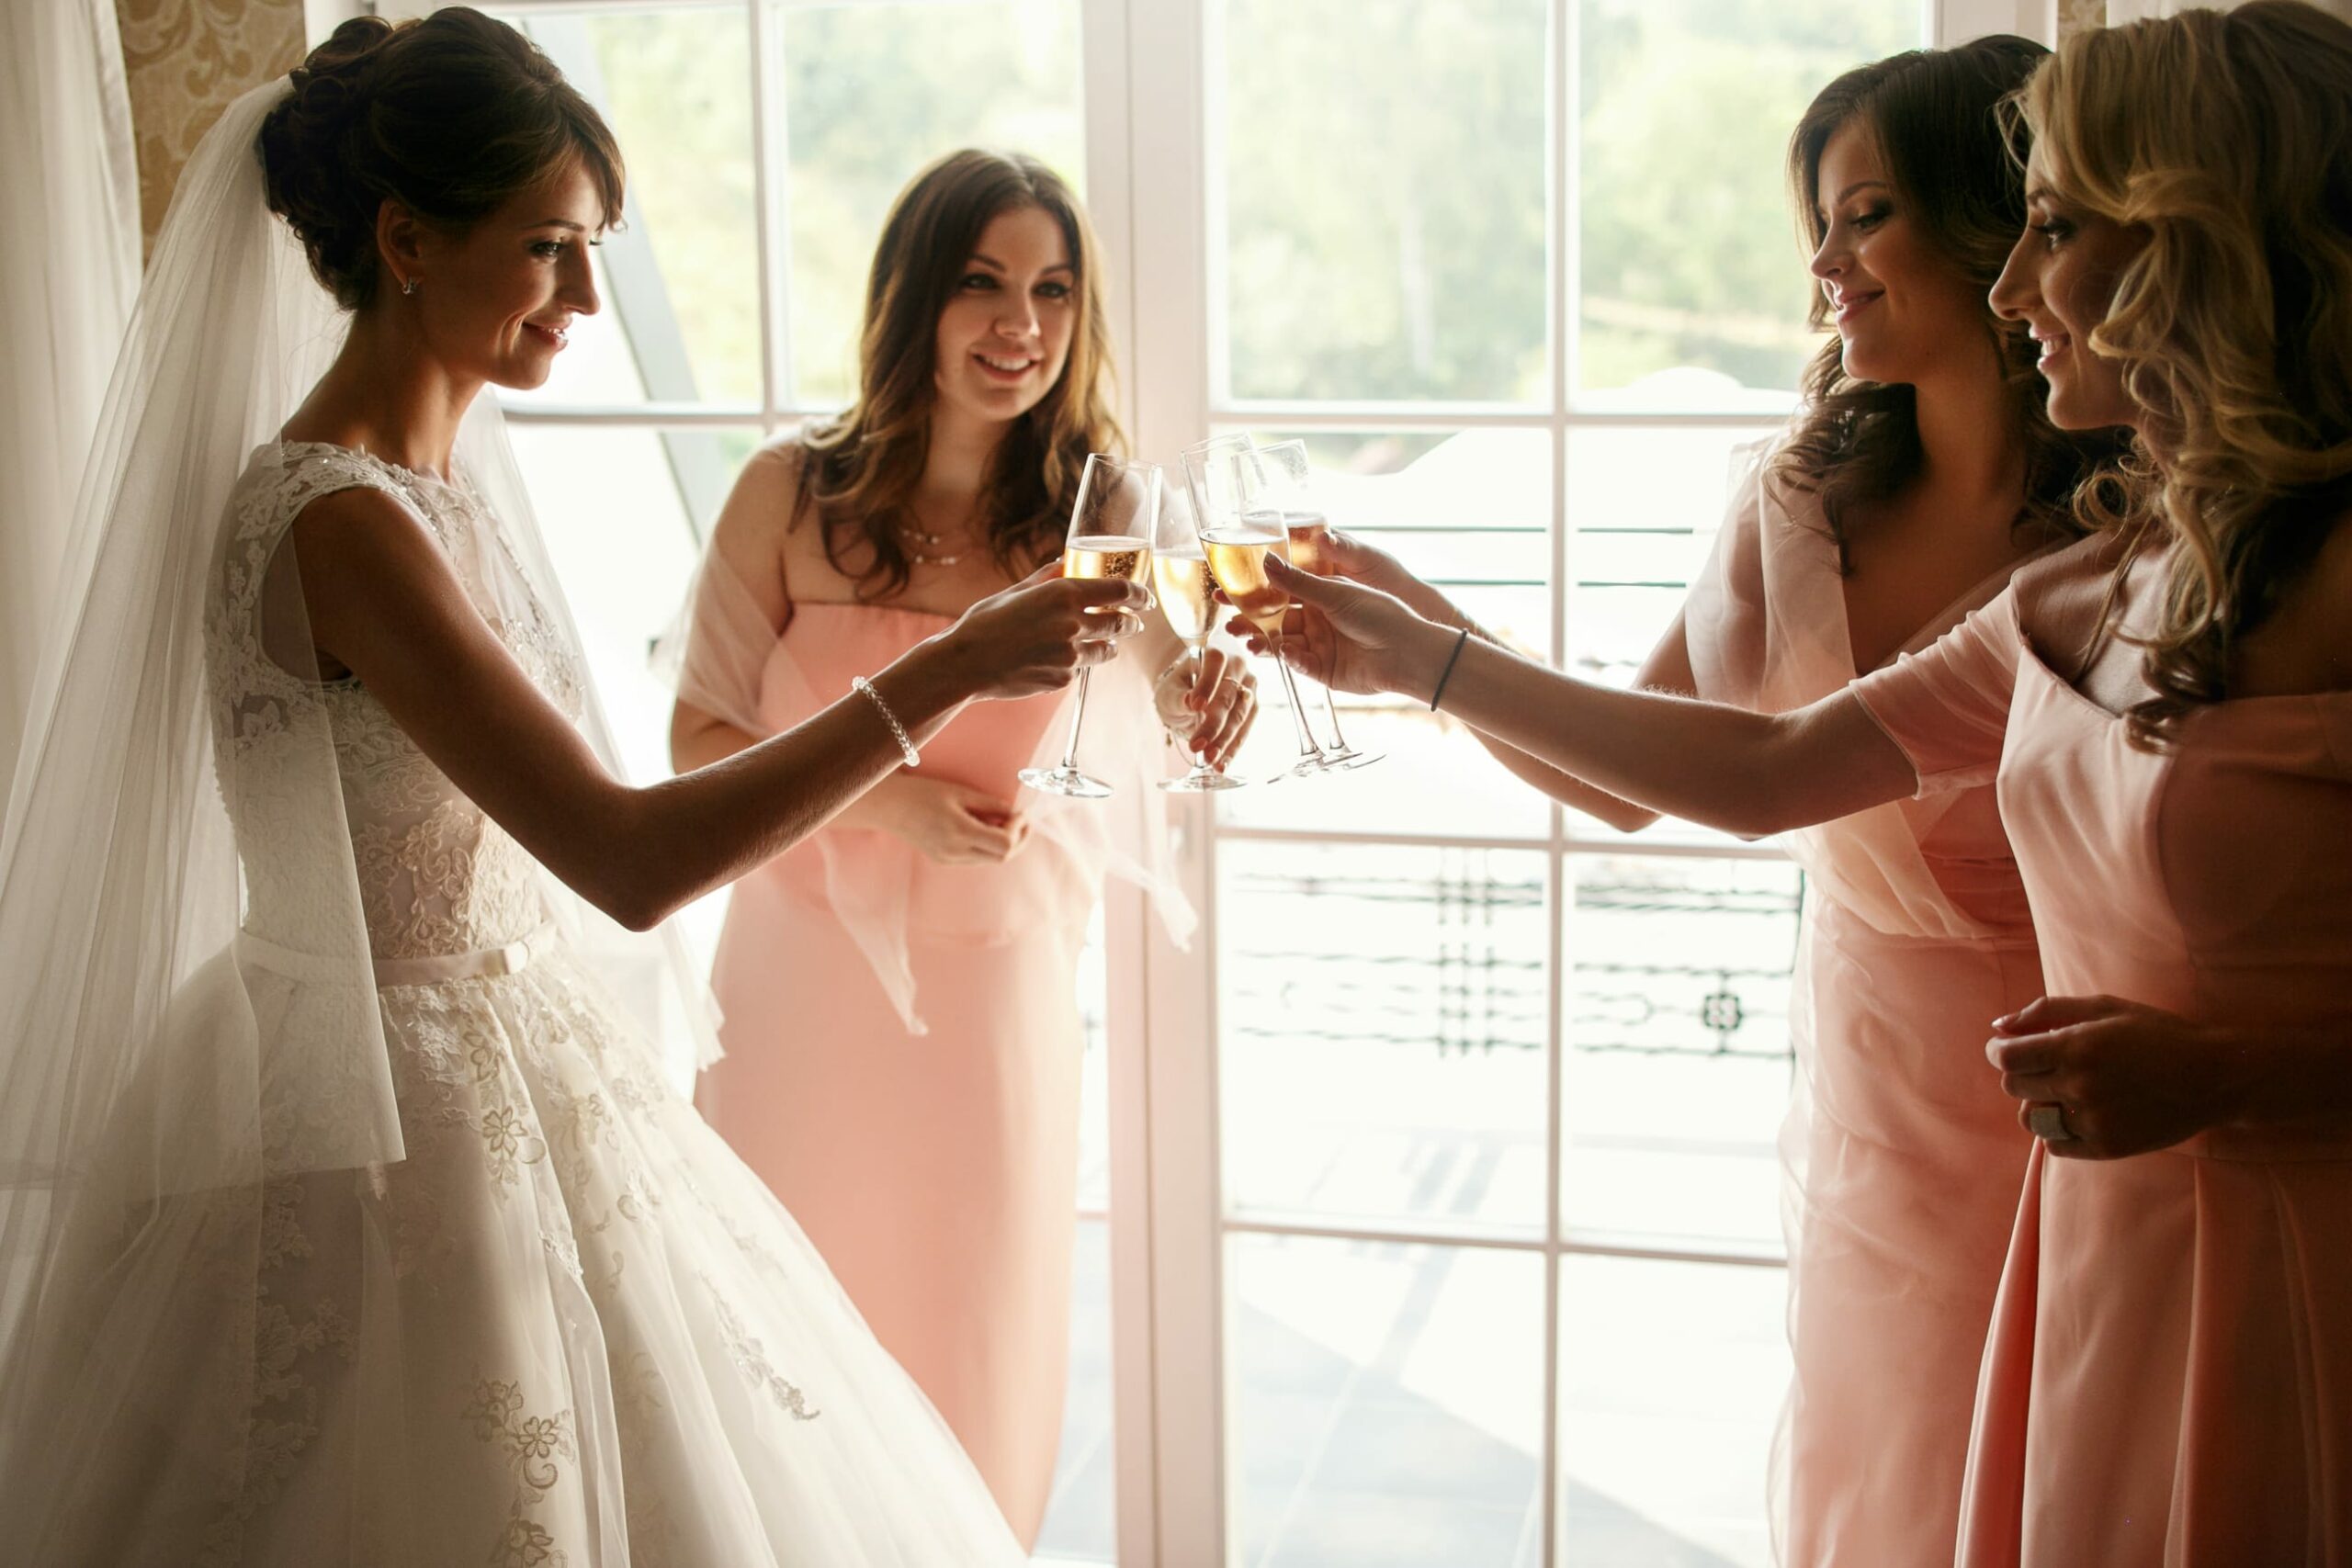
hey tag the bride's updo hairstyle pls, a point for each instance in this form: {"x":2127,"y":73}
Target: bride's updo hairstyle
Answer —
{"x":2227,"y":137}
{"x":450,"y":116}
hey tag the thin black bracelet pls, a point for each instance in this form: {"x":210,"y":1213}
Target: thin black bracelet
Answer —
{"x":1447,"y":673}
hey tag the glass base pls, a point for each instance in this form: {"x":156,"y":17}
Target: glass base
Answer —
{"x":1200,"y":781}
{"x":1065,"y":781}
{"x":1346,"y":762}
{"x":1305,"y":767}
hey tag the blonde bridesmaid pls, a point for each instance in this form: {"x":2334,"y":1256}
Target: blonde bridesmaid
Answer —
{"x":1919,"y":472}
{"x":900,"y":993}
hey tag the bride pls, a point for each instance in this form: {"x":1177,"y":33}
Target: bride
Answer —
{"x":345,"y":1216}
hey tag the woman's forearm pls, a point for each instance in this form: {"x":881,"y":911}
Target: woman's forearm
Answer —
{"x":1567,"y":789}
{"x":697,"y":740}
{"x":1745,"y":772}
{"x":674,"y":842}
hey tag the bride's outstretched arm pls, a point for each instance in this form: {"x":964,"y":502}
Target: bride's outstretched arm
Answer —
{"x":1746,"y":773}
{"x":383,"y":601}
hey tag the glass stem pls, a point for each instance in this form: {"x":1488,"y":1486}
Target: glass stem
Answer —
{"x":1076,"y":717}
{"x":1306,"y":745}
{"x":1331,"y":707}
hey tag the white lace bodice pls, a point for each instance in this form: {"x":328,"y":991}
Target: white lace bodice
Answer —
{"x":435,"y":875}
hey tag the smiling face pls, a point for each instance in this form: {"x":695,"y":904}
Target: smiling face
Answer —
{"x":1903,"y":309}
{"x":2060,"y":280}
{"x":1004,"y":334}
{"x":496,"y":302}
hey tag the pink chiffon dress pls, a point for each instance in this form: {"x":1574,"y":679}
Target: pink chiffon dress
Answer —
{"x":1902,"y":1156}
{"x":903,"y":1042}
{"x":2168,"y":1377}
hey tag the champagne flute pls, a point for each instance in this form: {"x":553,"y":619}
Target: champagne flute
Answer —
{"x":1181,"y":581}
{"x":1235,"y":538}
{"x":1110,"y":535}
{"x":1281,"y":472}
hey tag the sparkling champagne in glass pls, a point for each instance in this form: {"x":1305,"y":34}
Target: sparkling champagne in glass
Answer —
{"x":1283,"y":481}
{"x":1236,"y":536}
{"x":1110,"y":535}
{"x":1181,"y":581}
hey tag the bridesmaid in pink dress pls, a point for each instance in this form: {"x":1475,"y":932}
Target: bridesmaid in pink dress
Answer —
{"x":2165,"y":711}
{"x":1903,"y":1155}
{"x":899,"y":991}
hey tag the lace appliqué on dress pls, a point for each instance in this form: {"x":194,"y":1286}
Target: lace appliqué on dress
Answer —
{"x":750,"y":1359}
{"x":533,"y":1443}
{"x":283,"y":1416}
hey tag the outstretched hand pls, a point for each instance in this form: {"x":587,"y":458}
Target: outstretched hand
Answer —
{"x":1350,"y":636}
{"x":1338,"y":554}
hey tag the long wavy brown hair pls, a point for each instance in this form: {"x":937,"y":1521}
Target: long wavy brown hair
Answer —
{"x":1936,"y":116}
{"x":2227,"y":137}
{"x":861,"y":468}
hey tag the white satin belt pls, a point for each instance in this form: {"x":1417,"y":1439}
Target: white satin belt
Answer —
{"x":482,"y":963}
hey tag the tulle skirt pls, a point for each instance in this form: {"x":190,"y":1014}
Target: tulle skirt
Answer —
{"x":570,"y":1328}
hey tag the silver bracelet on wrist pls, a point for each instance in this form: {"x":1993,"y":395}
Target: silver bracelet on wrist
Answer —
{"x":899,"y":731}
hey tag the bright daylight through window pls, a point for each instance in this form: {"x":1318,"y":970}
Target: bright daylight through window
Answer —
{"x":1497,"y":1092}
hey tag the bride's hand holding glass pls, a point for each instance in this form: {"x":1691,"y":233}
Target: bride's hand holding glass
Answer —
{"x":1038,"y":633}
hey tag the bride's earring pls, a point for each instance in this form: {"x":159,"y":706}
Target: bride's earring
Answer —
{"x":408,"y":285}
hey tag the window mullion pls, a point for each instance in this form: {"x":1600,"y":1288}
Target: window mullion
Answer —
{"x":772,"y":197}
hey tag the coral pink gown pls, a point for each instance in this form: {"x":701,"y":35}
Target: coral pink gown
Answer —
{"x":2168,"y":1378}
{"x":903,"y":1046}
{"x":1903,"y":1156}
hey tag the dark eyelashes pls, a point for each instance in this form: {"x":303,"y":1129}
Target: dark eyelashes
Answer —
{"x":977,"y":281}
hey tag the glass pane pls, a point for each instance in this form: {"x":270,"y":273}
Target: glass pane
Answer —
{"x":680,"y":281}
{"x":873,"y":92}
{"x":1692,"y":288}
{"x":1378,"y":198}
{"x":1671,"y":1376}
{"x":1644,"y":507}
{"x":1382,"y":1013}
{"x":1081,"y":1522}
{"x":1386,"y":1407}
{"x":1471,"y":511}
{"x":622,"y":532}
{"x":1677,"y":1066}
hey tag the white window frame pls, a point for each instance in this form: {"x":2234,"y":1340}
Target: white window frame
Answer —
{"x":1144,"y":68}
{"x":1169,"y":1266}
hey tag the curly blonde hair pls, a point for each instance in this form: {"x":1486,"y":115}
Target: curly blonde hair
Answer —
{"x":2227,"y":137}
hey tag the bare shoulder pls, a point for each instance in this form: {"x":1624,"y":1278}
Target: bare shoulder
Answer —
{"x":759,"y":510}
{"x":363,"y":536}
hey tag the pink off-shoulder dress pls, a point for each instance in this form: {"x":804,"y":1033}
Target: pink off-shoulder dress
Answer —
{"x":2168,"y":1378}
{"x":1902,"y":1156}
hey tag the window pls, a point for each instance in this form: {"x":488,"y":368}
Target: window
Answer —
{"x":1435,"y":1189}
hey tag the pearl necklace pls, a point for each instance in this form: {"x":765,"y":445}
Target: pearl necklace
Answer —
{"x":915,"y":538}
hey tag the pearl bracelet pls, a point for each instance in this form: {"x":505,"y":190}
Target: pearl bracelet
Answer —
{"x":897,"y":730}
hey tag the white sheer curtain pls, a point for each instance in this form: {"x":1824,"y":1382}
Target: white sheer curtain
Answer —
{"x":69,"y":274}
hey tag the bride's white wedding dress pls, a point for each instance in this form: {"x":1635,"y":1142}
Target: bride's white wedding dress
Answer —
{"x":570,"y":1327}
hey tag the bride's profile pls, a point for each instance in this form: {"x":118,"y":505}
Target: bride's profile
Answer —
{"x":346,"y":1214}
